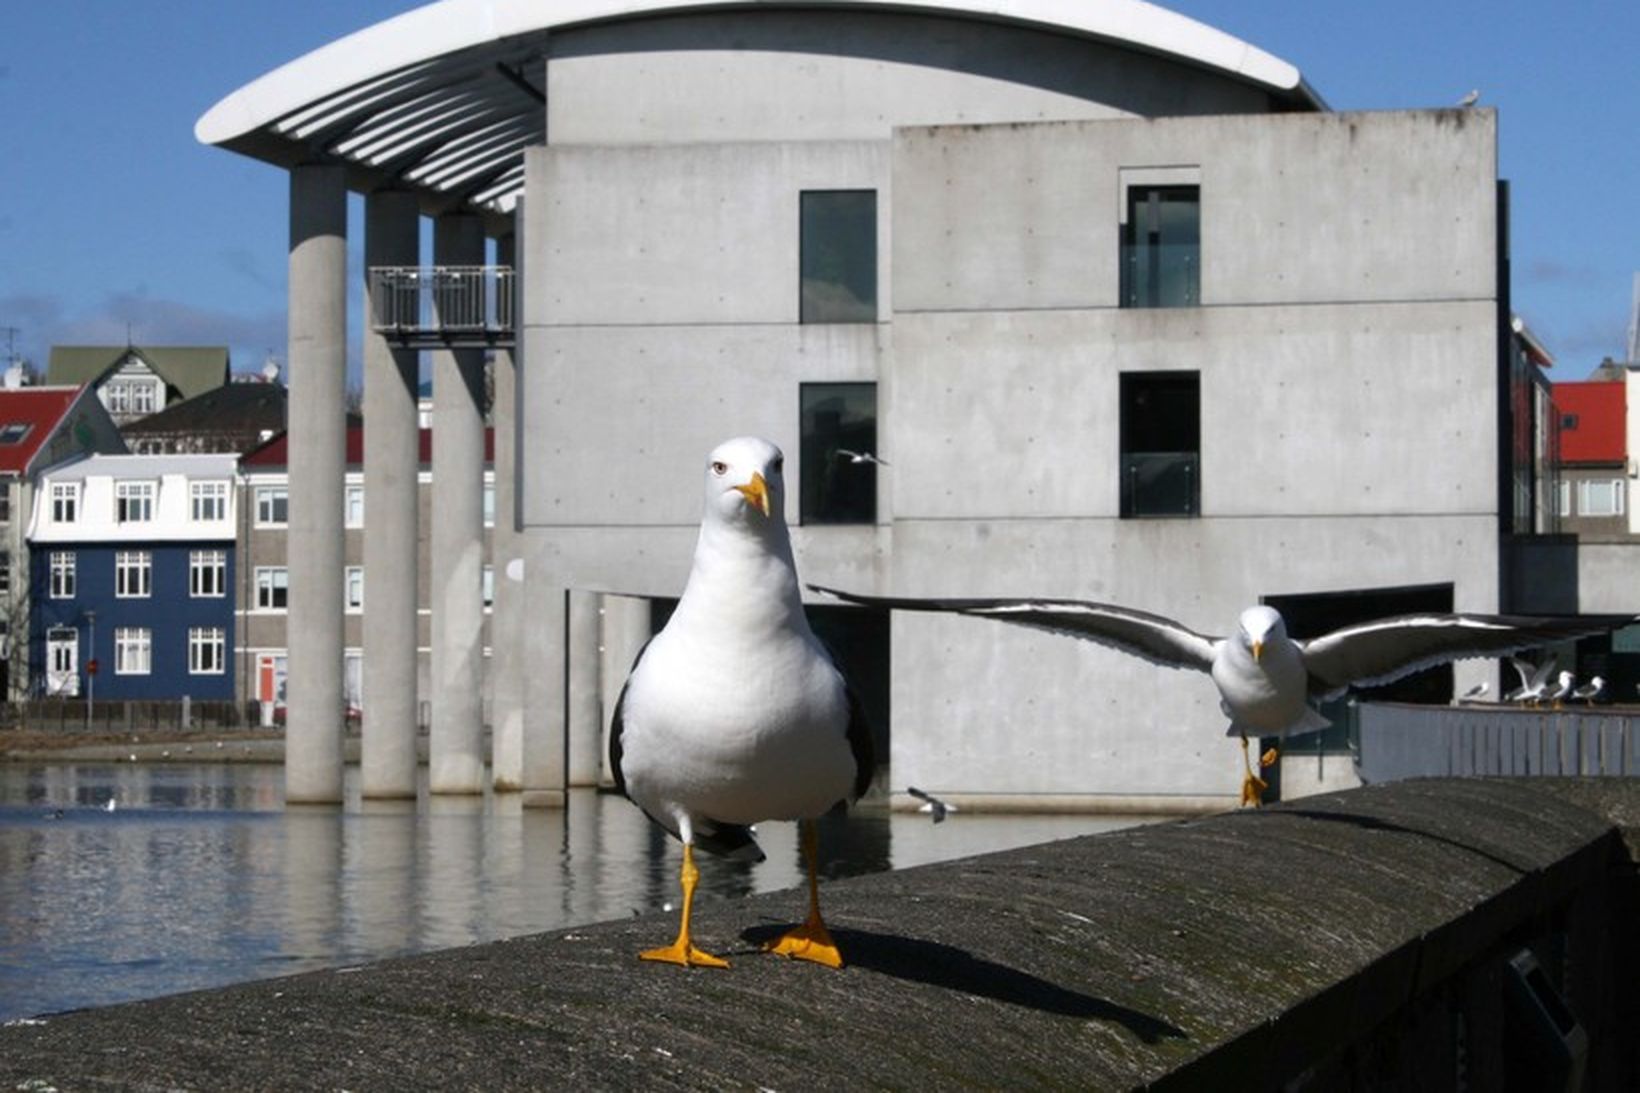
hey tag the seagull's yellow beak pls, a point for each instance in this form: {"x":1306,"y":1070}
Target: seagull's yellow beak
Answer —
{"x":757,"y":493}
{"x":1258,"y":650}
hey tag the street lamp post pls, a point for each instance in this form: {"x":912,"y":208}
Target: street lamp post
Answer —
{"x":90,"y":667}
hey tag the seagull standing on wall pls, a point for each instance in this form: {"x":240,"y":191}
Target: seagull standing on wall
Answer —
{"x":735,"y":713}
{"x":1268,"y":682}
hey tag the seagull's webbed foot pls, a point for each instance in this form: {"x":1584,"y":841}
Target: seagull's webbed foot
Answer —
{"x":683,"y":951}
{"x":810,"y":941}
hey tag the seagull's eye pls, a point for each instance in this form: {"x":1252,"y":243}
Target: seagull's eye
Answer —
{"x":720,"y":469}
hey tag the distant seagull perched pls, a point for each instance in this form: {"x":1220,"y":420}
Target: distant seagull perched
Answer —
{"x":1470,"y":99}
{"x":1475,"y":693}
{"x":1563,"y":687}
{"x":1534,"y":680}
{"x":859,"y":457}
{"x":931,"y":804}
{"x":1266,"y":680}
{"x":735,"y":713}
{"x":1590,"y":690}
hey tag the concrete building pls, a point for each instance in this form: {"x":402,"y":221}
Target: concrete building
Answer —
{"x":132,"y":577}
{"x":1124,"y":311}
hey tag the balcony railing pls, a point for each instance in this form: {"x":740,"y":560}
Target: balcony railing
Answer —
{"x":1161,"y":484}
{"x":429,"y":306}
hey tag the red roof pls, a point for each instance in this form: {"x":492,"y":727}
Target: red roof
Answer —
{"x":1593,"y":419}
{"x":38,"y":410}
{"x":276,"y":452}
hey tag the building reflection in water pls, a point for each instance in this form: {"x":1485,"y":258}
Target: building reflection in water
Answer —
{"x":201,"y":877}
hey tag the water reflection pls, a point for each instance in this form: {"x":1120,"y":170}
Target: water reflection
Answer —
{"x":201,"y":877}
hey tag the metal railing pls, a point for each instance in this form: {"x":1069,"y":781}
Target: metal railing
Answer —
{"x":442,"y":305}
{"x":1403,"y":741}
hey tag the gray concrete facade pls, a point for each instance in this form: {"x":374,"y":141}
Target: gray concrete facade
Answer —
{"x":387,"y":758}
{"x":318,"y":374}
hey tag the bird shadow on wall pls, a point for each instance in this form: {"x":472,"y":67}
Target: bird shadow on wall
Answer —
{"x":951,"y":968}
{"x":1377,"y":823}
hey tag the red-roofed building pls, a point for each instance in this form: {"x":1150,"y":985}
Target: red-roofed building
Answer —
{"x":261,"y":637}
{"x":1593,"y":457}
{"x":39,"y":427}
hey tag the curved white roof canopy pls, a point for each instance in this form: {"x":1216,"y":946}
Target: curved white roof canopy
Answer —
{"x":443,"y":98}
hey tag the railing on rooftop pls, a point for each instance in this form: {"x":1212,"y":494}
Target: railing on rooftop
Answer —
{"x":443,"y":306}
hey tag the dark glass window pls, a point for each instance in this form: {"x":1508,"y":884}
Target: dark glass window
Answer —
{"x":1161,"y":443}
{"x":839,"y":256}
{"x":839,"y":445}
{"x":1161,"y":247}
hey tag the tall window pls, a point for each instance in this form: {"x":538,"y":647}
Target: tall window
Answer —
{"x":142,"y":398}
{"x":1161,"y":443}
{"x":207,"y":650}
{"x":353,"y":506}
{"x":487,"y":585}
{"x":272,"y":505}
{"x":207,"y":573}
{"x":272,"y":588}
{"x":133,"y":650}
{"x":353,"y":588}
{"x":839,"y":450}
{"x":133,"y":573}
{"x":838,"y":256}
{"x":208,"y":500}
{"x":5,"y":502}
{"x":118,"y":397}
{"x":65,"y":502}
{"x":1161,"y":247}
{"x":61,"y":585}
{"x":133,"y":502}
{"x":489,"y":504}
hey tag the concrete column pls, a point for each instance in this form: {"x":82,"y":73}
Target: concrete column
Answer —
{"x":456,"y":764}
{"x":392,"y":462}
{"x":507,"y":666}
{"x":626,"y":628}
{"x":545,"y":651}
{"x":583,"y":702}
{"x":317,"y":436}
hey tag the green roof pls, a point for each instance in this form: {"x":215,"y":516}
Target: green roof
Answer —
{"x":191,"y":369}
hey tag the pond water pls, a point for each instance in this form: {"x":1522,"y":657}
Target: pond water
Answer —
{"x":200,"y":876}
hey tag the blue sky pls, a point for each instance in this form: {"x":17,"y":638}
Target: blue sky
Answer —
{"x":113,"y":219}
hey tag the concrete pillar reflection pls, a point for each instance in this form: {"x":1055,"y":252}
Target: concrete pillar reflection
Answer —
{"x":392,"y":464}
{"x":506,"y":615}
{"x":456,"y":763}
{"x":317,"y":463}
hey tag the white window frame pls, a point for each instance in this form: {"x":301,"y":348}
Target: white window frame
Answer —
{"x":207,"y":650}
{"x":133,"y":651}
{"x":489,"y":504}
{"x":208,"y":500}
{"x":144,"y":398}
{"x":486,"y":583}
{"x":266,"y":497}
{"x":65,"y":502}
{"x":353,"y":588}
{"x":207,"y":574}
{"x":62,"y":580}
{"x":353,"y":505}
{"x":1600,"y":497}
{"x":271,"y":579}
{"x":133,"y":574}
{"x":117,"y":396}
{"x":132,"y":496}
{"x":1563,"y":498}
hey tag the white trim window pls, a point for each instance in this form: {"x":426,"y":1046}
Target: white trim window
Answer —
{"x":353,"y":506}
{"x":62,"y":580}
{"x":487,"y":586}
{"x":489,"y":504}
{"x":208,"y":500}
{"x":133,"y":650}
{"x":1600,"y":497}
{"x":207,"y":650}
{"x":1563,"y":498}
{"x":65,"y":502}
{"x":353,"y":588}
{"x":272,"y":588}
{"x":133,"y":574}
{"x":133,"y":502}
{"x":144,"y":398}
{"x":208,"y":573}
{"x":272,"y":506}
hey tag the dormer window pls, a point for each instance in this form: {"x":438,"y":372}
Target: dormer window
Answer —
{"x":13,"y":432}
{"x":133,"y":502}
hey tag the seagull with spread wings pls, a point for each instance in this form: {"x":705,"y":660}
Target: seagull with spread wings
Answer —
{"x":1268,"y":682}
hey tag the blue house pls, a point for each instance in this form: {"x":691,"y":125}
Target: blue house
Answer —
{"x":131,"y":578}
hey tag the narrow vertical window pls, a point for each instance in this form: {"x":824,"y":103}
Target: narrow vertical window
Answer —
{"x":133,"y":574}
{"x":838,"y":256}
{"x":353,"y":507}
{"x":207,"y":650}
{"x":207,"y":573}
{"x":1161,"y":247}
{"x":1161,"y":443}
{"x":839,"y":453}
{"x":65,"y":502}
{"x":353,"y":588}
{"x":62,"y":569}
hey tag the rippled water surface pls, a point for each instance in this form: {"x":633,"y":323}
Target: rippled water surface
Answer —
{"x":200,"y":876}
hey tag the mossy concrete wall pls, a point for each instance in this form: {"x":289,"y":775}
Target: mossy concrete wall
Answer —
{"x":1358,"y":939}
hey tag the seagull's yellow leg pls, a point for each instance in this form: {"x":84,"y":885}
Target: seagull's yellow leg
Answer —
{"x":811,"y":940}
{"x":683,"y":951}
{"x":1252,"y":786}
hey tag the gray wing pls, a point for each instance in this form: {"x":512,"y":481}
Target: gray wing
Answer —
{"x":1383,"y":650}
{"x":1156,"y":639}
